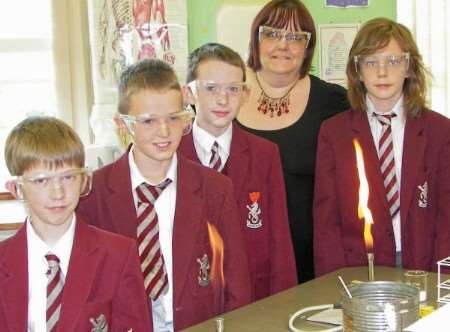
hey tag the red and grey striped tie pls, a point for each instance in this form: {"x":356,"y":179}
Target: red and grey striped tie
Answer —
{"x":152,"y":261}
{"x":387,"y":162}
{"x":55,"y":286}
{"x":215,"y":162}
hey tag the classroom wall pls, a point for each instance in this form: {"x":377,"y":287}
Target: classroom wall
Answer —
{"x":202,"y":19}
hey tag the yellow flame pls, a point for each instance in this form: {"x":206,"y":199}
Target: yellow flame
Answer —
{"x":217,"y":253}
{"x":363,"y":208}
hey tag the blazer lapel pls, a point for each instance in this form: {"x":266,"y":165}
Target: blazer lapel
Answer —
{"x":238,"y":161}
{"x":187,"y":222}
{"x":14,"y":282}
{"x":124,"y":219}
{"x":82,"y":271}
{"x":361,"y":128}
{"x":414,"y":143}
{"x":187,"y":148}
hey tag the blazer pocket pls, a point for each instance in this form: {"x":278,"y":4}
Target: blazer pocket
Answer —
{"x":261,"y":285}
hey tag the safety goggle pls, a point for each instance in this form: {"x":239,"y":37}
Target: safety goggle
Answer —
{"x":300,"y":38}
{"x":212,"y":88}
{"x":374,"y":62}
{"x":152,"y":122}
{"x":65,"y":180}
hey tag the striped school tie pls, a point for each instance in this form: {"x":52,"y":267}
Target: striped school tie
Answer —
{"x":55,"y":286}
{"x":387,"y":162}
{"x":152,"y":261}
{"x":215,"y":162}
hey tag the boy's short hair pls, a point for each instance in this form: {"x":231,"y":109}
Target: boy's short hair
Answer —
{"x":153,"y":74}
{"x":212,"y":51}
{"x":373,"y":36}
{"x":42,"y":140}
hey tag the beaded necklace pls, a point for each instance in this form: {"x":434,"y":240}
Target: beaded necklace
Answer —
{"x":271,"y":106}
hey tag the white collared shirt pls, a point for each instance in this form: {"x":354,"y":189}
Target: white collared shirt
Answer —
{"x":162,"y":308}
{"x":398,"y":130}
{"x":203,"y":142}
{"x":37,"y":270}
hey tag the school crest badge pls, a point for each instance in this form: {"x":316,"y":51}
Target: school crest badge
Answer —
{"x":254,"y":210}
{"x":423,"y":195}
{"x":100,"y":324}
{"x":203,"y":272}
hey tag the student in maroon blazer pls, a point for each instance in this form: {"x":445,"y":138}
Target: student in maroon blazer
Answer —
{"x":216,"y":86}
{"x":102,"y":283}
{"x":151,"y":99}
{"x":386,"y":75}
{"x":103,"y":279}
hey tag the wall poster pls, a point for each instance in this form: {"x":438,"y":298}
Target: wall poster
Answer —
{"x":123,"y":32}
{"x":335,"y":43}
{"x":346,"y":3}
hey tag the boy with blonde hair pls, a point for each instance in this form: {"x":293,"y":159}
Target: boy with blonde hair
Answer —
{"x":173,"y":206}
{"x":58,"y":273}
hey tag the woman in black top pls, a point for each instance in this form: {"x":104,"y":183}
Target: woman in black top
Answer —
{"x":287,"y":106}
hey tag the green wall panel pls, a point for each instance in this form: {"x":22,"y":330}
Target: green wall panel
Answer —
{"x":202,"y":16}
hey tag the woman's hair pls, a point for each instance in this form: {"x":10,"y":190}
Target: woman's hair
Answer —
{"x":279,"y":14}
{"x":373,"y":36}
{"x":42,"y":141}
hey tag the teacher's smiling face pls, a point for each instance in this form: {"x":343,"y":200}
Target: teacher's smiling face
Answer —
{"x":282,"y":51}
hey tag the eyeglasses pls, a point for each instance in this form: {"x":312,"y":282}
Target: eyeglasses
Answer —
{"x":211,"y":88}
{"x":65,"y":180}
{"x":374,"y":62}
{"x":299,"y":38}
{"x":152,"y":122}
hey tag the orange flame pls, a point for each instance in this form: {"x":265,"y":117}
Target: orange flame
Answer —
{"x":363,"y":208}
{"x":217,"y":255}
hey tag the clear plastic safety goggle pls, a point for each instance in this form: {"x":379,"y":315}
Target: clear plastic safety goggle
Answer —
{"x":212,"y":88}
{"x":374,"y":62}
{"x":152,"y":122}
{"x":49,"y":180}
{"x":300,"y":38}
